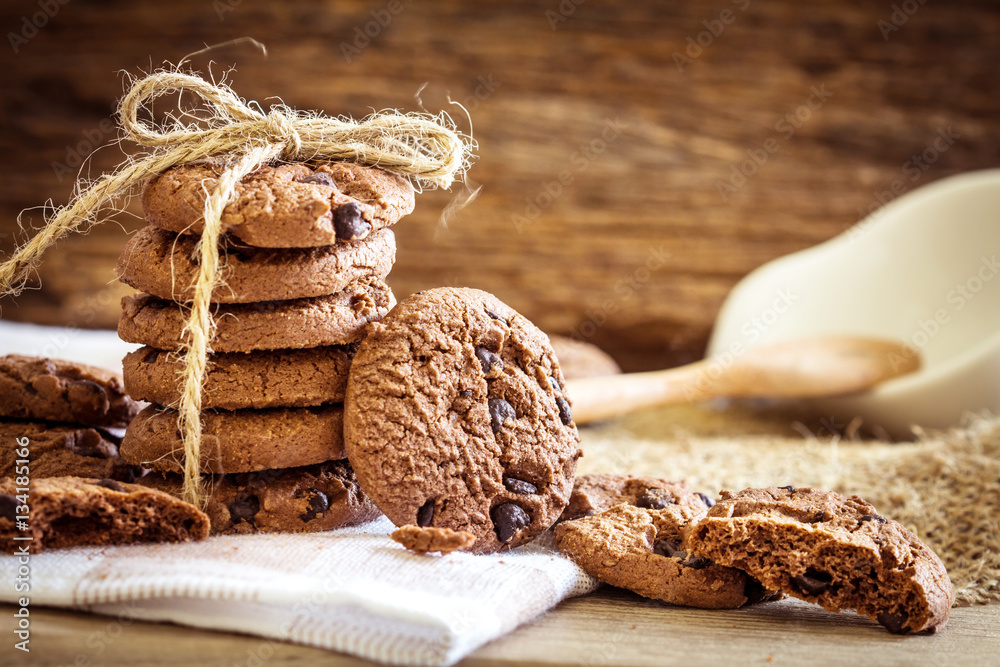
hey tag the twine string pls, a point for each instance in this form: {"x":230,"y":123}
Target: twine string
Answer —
{"x":424,"y":148}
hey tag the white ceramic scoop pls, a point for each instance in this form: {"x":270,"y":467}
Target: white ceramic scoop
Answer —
{"x":924,"y":270}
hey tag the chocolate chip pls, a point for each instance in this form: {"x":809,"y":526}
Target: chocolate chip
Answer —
{"x":465,"y":393}
{"x":320,"y":178}
{"x":150,"y":356}
{"x":818,"y":516}
{"x":755,"y":592}
{"x":123,"y":472}
{"x":565,"y":414}
{"x":494,"y":315}
{"x":425,"y":514}
{"x":507,"y":520}
{"x":812,"y":582}
{"x":8,"y":506}
{"x":871,"y":517}
{"x":349,"y":224}
{"x":111,"y":484}
{"x":82,"y":390}
{"x":706,"y":499}
{"x":788,"y":488}
{"x":515,"y":485}
{"x":500,"y":412}
{"x":318,"y":503}
{"x":669,"y":548}
{"x":245,"y":508}
{"x":894,"y":623}
{"x":30,"y":388}
{"x":655,"y":499}
{"x":488,"y":359}
{"x":555,"y":383}
{"x":696,"y":562}
{"x":88,"y":442}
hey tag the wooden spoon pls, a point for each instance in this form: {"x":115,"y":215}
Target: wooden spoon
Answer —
{"x":806,"y":368}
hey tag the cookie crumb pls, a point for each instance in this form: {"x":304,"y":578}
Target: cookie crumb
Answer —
{"x":422,"y":540}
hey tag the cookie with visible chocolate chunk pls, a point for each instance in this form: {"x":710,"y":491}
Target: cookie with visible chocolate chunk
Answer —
{"x":834,"y":551}
{"x":292,"y":500}
{"x":598,"y":491}
{"x":238,"y":440}
{"x":283,"y":206}
{"x":639,"y":548}
{"x":74,"y":511}
{"x":58,"y":390}
{"x":424,"y":540}
{"x":61,"y":450}
{"x":165,"y":264}
{"x":234,"y":380}
{"x":337,"y":319}
{"x":470,"y":395}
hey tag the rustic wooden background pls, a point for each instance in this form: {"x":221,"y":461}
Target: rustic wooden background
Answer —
{"x":638,"y":246}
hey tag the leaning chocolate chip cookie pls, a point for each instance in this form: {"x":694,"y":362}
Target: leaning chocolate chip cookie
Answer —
{"x":64,"y":391}
{"x":165,"y":264}
{"x":337,"y":319}
{"x":639,"y":549}
{"x":597,"y":492}
{"x":238,"y":440}
{"x":72,"y":511}
{"x":287,"y":206}
{"x":292,"y":500}
{"x":837,"y":552}
{"x":60,"y":450}
{"x":469,"y":396}
{"x":264,"y":379}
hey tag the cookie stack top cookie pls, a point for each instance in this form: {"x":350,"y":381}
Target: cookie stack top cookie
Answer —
{"x":303,"y":258}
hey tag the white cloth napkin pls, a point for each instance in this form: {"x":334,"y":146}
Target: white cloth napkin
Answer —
{"x":351,"y":590}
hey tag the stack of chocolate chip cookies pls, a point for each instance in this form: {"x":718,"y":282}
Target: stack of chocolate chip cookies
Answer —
{"x":303,"y":261}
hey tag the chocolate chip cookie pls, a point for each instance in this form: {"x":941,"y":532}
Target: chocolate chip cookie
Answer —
{"x":834,"y":551}
{"x":265,"y":379}
{"x":59,"y":450}
{"x":639,"y":548}
{"x":337,"y":319}
{"x":57,"y":390}
{"x":285,"y":206}
{"x":164,"y":264}
{"x":294,"y":500}
{"x":73,"y":511}
{"x":238,"y":440}
{"x":597,"y":492}
{"x":470,"y":396}
{"x":582,"y":360}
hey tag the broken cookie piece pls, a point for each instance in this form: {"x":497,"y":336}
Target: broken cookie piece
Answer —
{"x":423,"y":540}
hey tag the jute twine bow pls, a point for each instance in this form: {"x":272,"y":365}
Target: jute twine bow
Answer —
{"x":423,"y":148}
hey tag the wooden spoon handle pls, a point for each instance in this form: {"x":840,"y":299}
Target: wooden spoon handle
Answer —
{"x":806,"y":368}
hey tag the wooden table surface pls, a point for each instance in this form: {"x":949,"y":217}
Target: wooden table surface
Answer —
{"x":609,"y":627}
